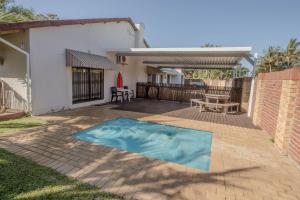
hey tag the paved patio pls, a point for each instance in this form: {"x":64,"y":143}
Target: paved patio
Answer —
{"x":244,"y":162}
{"x":184,"y":110}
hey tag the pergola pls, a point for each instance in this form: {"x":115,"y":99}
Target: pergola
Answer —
{"x":193,"y":58}
{"x":200,"y":58}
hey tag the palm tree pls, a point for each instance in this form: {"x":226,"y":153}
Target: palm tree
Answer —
{"x":271,"y":61}
{"x":292,"y":54}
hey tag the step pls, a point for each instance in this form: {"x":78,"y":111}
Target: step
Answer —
{"x":11,"y":114}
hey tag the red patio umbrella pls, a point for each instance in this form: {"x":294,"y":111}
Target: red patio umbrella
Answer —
{"x":120,"y":80}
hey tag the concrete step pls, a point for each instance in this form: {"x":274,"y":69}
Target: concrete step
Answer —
{"x":11,"y":114}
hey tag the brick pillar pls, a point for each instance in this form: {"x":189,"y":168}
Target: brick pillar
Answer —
{"x":285,"y":115}
{"x":258,"y":103}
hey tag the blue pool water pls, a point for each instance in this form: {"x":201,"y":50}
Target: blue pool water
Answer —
{"x":184,"y":146}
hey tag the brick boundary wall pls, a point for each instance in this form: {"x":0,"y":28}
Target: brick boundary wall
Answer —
{"x":277,"y":109}
{"x":294,"y":147}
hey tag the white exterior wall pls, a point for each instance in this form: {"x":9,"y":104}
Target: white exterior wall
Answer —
{"x":176,"y":79}
{"x":13,"y":71}
{"x":52,"y":80}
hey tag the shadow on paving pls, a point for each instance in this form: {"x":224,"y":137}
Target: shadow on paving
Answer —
{"x":122,"y":172}
{"x":183,"y":110}
{"x":23,"y":179}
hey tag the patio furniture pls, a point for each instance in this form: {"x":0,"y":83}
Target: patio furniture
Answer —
{"x":224,"y":106}
{"x":124,"y":91}
{"x":115,"y":94}
{"x":197,"y":102}
{"x":230,"y":106}
{"x":217,"y":98}
{"x":129,"y":94}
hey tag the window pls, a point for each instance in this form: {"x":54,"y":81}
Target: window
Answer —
{"x":121,"y":60}
{"x":161,"y":78}
{"x":153,"y":78}
{"x":168,"y":78}
{"x":87,"y":84}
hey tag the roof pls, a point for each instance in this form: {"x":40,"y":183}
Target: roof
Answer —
{"x":146,"y":43}
{"x":203,"y":57}
{"x":81,"y":59}
{"x":48,"y":23}
{"x":12,"y":27}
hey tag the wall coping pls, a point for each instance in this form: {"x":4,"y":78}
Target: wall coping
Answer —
{"x":287,"y":74}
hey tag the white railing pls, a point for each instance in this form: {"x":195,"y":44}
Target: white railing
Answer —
{"x":10,"y":99}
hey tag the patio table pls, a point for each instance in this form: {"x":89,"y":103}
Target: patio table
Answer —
{"x":216,"y":99}
{"x":124,"y":92}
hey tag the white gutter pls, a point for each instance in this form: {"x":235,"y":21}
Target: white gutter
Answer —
{"x":28,"y":81}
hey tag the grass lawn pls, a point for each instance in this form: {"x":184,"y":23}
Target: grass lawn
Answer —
{"x":11,"y":126}
{"x":23,"y":179}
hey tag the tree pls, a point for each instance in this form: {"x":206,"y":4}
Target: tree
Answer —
{"x":292,"y":54}
{"x":276,"y":59}
{"x":220,"y":74}
{"x":210,"y":45}
{"x":10,"y":17}
{"x":4,"y":4}
{"x":271,"y":61}
{"x":27,"y":13}
{"x":17,"y":13}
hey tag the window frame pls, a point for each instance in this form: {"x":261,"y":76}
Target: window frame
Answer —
{"x":86,"y":85}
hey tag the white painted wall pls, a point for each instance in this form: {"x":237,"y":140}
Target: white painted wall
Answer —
{"x":176,"y":79}
{"x":13,"y":71}
{"x":52,"y":80}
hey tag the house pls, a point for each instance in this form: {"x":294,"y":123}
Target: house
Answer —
{"x":52,"y":47}
{"x":47,"y":66}
{"x":165,"y":75}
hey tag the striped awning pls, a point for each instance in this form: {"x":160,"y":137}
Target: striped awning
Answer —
{"x":81,"y":59}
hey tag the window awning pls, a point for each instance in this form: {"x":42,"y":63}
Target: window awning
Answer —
{"x":81,"y":59}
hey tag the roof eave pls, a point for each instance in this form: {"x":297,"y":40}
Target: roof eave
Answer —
{"x":218,"y":51}
{"x":49,"y":23}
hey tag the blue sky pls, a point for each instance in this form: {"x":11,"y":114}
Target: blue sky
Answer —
{"x":191,"y":23}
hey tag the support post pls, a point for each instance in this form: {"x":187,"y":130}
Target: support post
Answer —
{"x":253,"y":62}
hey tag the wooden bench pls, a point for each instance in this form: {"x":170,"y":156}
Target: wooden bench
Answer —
{"x":196,"y":102}
{"x":225,"y":106}
{"x":230,"y":106}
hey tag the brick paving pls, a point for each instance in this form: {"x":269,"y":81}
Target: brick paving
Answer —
{"x":244,"y":162}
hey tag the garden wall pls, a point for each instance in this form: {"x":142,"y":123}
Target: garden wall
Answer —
{"x":276,"y":109}
{"x":294,"y":147}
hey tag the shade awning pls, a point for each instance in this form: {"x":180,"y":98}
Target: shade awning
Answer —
{"x":201,"y":58}
{"x":76,"y":58}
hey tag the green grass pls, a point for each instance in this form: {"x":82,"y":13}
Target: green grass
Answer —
{"x":11,"y":126}
{"x":23,"y":179}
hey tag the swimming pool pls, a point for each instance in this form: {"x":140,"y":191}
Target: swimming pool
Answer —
{"x":184,"y":146}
